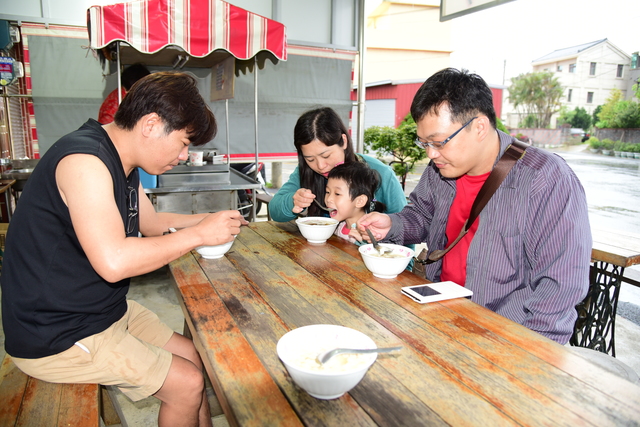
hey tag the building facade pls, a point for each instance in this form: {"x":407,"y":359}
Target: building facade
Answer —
{"x":588,"y":72}
{"x":405,"y":44}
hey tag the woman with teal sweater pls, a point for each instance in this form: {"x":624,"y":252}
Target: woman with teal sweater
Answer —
{"x":323,"y":142}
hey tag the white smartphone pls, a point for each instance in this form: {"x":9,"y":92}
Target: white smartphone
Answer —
{"x":431,"y":292}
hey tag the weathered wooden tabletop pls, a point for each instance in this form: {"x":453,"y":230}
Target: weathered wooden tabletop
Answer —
{"x":461,"y":364}
{"x":615,"y":247}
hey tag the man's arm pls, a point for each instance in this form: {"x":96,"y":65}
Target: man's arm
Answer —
{"x":559,"y":245}
{"x":86,"y":187}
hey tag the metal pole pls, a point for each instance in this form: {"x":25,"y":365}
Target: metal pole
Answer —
{"x":359,"y":142}
{"x":226,"y":117}
{"x":118,"y":65}
{"x":254,"y":213}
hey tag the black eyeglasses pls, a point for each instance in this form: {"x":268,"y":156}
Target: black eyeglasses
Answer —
{"x":132,"y":198}
{"x":438,"y":145}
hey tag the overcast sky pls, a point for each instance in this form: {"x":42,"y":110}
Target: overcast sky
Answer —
{"x":521,"y":31}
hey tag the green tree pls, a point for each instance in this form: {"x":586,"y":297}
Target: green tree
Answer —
{"x":607,"y":113}
{"x":501,"y":126}
{"x":618,"y":113}
{"x":578,"y":118}
{"x":595,"y":114}
{"x":536,"y":96}
{"x":399,"y":143}
{"x":636,"y":89}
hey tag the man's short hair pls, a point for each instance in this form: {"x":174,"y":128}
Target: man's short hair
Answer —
{"x":465,"y":94}
{"x":175,"y":98}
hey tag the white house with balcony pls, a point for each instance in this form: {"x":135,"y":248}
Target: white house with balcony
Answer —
{"x":588,"y":72}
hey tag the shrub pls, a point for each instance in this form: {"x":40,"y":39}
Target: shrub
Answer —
{"x":594,"y":143}
{"x":607,"y":144}
{"x":501,"y":126}
{"x":398,"y":143}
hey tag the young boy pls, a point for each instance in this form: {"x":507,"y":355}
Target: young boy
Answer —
{"x":349,"y":192}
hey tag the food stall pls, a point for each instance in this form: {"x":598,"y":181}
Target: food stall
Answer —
{"x":208,"y":34}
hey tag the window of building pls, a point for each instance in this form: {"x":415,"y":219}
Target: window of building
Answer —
{"x":635,"y":63}
{"x":592,"y":69}
{"x":620,"y":69}
{"x":559,"y":69}
{"x":569,"y":95}
{"x":589,"y":97}
{"x":572,"y":68}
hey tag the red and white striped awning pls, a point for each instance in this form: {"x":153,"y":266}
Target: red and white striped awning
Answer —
{"x":200,"y":28}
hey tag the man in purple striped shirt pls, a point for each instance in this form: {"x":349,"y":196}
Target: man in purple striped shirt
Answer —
{"x":527,"y":255}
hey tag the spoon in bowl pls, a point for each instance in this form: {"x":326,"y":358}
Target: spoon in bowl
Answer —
{"x":325,"y":356}
{"x":375,"y":243}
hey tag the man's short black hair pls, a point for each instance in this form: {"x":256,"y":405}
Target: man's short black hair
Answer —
{"x":465,"y":94}
{"x":175,"y":98}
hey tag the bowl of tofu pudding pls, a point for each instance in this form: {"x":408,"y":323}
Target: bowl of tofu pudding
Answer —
{"x":214,"y":252}
{"x":388,"y":264}
{"x":299,"y":348}
{"x":316,"y":229}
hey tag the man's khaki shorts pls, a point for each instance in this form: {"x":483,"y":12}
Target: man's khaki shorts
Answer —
{"x":128,"y":355}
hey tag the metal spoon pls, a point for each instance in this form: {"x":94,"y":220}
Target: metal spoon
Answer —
{"x":376,"y":245}
{"x":322,"y":207}
{"x":319,"y":205}
{"x":325,"y":356}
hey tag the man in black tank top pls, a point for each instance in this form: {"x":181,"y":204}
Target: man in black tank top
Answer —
{"x":74,"y":242}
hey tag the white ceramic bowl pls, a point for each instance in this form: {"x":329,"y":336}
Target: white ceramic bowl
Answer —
{"x":298,"y":348}
{"x":214,"y":252}
{"x":316,"y":229}
{"x":386,"y":268}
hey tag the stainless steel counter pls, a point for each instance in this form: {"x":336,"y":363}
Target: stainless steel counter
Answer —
{"x":192,"y":195}
{"x":237,"y":181}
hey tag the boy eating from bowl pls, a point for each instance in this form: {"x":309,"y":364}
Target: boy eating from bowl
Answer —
{"x":349,"y":192}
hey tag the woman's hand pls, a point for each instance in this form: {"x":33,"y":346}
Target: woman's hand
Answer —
{"x":302,"y":199}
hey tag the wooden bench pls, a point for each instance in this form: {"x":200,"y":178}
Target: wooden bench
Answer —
{"x":27,"y":401}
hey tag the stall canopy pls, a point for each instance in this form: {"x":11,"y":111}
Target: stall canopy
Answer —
{"x":196,"y":33}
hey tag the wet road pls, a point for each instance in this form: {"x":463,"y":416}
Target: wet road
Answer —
{"x":612,"y":186}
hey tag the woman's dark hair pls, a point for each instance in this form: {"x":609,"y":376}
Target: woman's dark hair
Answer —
{"x":132,"y":74}
{"x":361,"y":180}
{"x":325,"y":125}
{"x":176,"y":99}
{"x":466,"y":95}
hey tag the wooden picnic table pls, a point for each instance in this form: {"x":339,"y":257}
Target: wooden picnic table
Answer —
{"x":612,"y":252}
{"x":461,"y":364}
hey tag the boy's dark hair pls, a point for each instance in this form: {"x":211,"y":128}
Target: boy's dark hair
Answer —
{"x":325,"y":125}
{"x":466,"y":95}
{"x":176,"y":99}
{"x":132,"y":74}
{"x":361,"y":180}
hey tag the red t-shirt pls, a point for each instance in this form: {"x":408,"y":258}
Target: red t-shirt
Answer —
{"x":454,"y":263}
{"x":109,"y":107}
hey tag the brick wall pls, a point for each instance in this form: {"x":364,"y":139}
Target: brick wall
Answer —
{"x":625,"y":135}
{"x":548,"y":138}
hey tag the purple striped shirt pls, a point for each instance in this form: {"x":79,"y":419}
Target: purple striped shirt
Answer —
{"x":529,"y":260}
